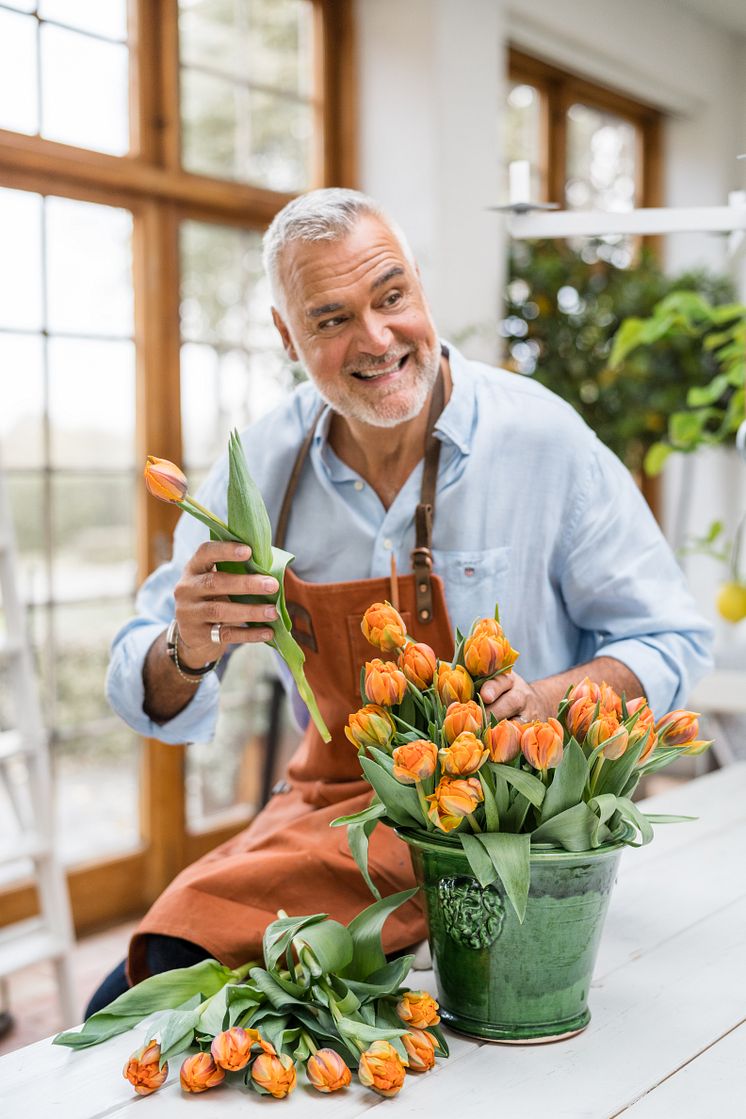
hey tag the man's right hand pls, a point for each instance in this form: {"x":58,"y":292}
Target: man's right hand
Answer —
{"x":202,"y":601}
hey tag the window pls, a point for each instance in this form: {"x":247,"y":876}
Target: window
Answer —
{"x":134,"y":319}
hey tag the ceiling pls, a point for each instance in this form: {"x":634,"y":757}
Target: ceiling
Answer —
{"x":729,"y":14}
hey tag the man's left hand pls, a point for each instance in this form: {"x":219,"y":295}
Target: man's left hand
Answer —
{"x":512,"y":697}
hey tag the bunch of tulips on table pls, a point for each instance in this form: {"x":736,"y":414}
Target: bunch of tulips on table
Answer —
{"x":326,"y":1002}
{"x":440,"y":763}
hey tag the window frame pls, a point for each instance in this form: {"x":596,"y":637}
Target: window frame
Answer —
{"x":151,"y":184}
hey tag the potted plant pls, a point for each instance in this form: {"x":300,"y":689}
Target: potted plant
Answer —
{"x":515,"y":830}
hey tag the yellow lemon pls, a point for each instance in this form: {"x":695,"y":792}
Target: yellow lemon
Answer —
{"x":731,"y":602}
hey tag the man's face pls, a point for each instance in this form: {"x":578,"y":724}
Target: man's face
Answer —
{"x":357,"y":319}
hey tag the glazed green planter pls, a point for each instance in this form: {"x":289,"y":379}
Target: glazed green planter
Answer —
{"x":501,"y":980}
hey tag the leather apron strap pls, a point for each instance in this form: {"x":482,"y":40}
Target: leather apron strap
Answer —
{"x":422,"y":561}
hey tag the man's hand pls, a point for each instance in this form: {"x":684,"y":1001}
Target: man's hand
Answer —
{"x":201,"y":596}
{"x":511,"y":697}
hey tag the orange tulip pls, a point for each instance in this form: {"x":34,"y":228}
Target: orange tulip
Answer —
{"x":464,"y":756}
{"x":580,"y":716}
{"x":418,"y":1010}
{"x":607,"y":729}
{"x":275,"y":1073}
{"x":385,"y":684}
{"x":370,"y":726}
{"x":586,"y":689}
{"x":384,"y":627}
{"x":504,"y":740}
{"x":381,"y":1068}
{"x":415,"y":761}
{"x":453,"y":799}
{"x":420,"y":1047}
{"x":490,"y":626}
{"x":164,"y":479}
{"x":198,"y":1073}
{"x":417,"y":661}
{"x":485,"y":655}
{"x":327,"y":1071}
{"x":677,"y":728}
{"x":231,"y":1049}
{"x":461,"y":717}
{"x":610,"y":701}
{"x":143,"y":1069}
{"x":645,"y":722}
{"x":541,"y":744}
{"x":454,"y":685}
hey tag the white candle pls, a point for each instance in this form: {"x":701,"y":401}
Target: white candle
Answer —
{"x":519,"y":174}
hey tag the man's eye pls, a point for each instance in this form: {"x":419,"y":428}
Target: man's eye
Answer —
{"x":392,"y":299}
{"x":326,"y":324}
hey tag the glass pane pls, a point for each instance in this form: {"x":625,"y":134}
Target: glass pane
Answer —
{"x":89,"y":268}
{"x":262,"y":42}
{"x":26,"y":493}
{"x":232,"y":132}
{"x":19,"y":104}
{"x":224,"y":296}
{"x":82,"y":635}
{"x":523,"y":133}
{"x":228,"y":771}
{"x":20,"y":260}
{"x":108,"y":18}
{"x":93,"y":541}
{"x":84,"y":91}
{"x":601,"y":160}
{"x":21,"y":415}
{"x":96,"y":793}
{"x":92,"y":403}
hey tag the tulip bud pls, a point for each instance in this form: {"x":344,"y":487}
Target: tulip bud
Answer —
{"x":677,"y":728}
{"x":370,"y":726}
{"x":485,"y":655}
{"x":460,"y":717}
{"x":164,"y":479}
{"x":231,"y":1049}
{"x":504,"y":740}
{"x":143,"y":1069}
{"x":420,"y":1047}
{"x":384,"y":627}
{"x":541,"y":744}
{"x":610,"y":701}
{"x":415,"y":761}
{"x":607,"y":729}
{"x":381,"y":1068}
{"x":453,"y":799}
{"x":586,"y":689}
{"x":417,"y":661}
{"x":489,"y":626}
{"x":464,"y":756}
{"x":454,"y":685}
{"x":275,"y":1073}
{"x":198,"y":1073}
{"x":418,"y":1009}
{"x":385,"y":684}
{"x":327,"y":1071}
{"x":644,"y":723}
{"x":580,"y":716}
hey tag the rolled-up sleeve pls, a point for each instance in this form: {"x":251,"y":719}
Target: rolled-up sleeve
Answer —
{"x":621,"y":583}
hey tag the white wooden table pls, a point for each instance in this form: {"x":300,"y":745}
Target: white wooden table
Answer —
{"x":667,"y":1039}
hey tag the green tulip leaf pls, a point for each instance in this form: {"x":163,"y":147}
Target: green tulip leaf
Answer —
{"x":510,"y":856}
{"x":401,"y":801}
{"x":576,"y":829}
{"x":247,"y":513}
{"x":479,"y":860}
{"x":368,"y":955}
{"x":279,"y":935}
{"x":358,"y":835}
{"x":331,"y":945}
{"x":526,"y":784}
{"x":568,"y":782}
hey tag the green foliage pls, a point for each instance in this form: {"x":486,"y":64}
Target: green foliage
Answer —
{"x":563,"y":312}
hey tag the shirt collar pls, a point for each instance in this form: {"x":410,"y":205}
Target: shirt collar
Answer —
{"x":455,"y":423}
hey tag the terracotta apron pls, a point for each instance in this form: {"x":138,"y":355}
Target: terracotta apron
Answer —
{"x":289,"y":857}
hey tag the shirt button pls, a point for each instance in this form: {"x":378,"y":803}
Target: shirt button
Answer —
{"x":359,"y":486}
{"x":387,"y":544}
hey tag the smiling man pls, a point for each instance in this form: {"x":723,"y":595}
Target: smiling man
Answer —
{"x":483,"y":487}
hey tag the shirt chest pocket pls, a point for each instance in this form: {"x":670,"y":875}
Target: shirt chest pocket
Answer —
{"x":475,"y":582}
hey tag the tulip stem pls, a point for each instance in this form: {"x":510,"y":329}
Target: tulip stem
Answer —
{"x":423,"y":804}
{"x":472,"y":822}
{"x":596,"y":773}
{"x":188,"y":499}
{"x":309,"y":1041}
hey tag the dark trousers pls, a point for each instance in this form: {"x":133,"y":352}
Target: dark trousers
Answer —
{"x":162,"y":953}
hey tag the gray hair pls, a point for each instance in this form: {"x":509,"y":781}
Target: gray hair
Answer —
{"x":320,"y":215}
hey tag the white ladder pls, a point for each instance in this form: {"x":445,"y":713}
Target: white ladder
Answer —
{"x":25,"y":748}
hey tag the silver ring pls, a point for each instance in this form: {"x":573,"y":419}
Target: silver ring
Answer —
{"x":215,"y":634}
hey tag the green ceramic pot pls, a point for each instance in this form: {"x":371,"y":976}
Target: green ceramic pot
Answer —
{"x":501,"y":980}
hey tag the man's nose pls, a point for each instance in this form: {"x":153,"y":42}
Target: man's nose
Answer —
{"x":375,"y":335}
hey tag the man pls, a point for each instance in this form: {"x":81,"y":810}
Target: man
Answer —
{"x":415,"y":454}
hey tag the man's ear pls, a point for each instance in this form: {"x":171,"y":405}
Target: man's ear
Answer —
{"x":284,"y":333}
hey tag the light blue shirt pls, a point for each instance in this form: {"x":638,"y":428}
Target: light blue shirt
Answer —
{"x":532,"y":512}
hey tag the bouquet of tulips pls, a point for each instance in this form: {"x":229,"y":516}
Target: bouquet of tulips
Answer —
{"x":248,"y":523}
{"x":439,"y":762}
{"x":326,"y":1000}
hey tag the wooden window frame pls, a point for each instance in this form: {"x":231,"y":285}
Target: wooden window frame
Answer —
{"x":151,"y":184}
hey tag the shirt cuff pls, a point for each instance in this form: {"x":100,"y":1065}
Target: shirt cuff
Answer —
{"x":126,"y":693}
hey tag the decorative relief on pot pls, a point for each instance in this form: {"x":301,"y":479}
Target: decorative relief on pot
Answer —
{"x":473,"y":915}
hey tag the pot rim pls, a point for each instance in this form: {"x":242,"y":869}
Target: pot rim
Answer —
{"x":541,"y":853}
